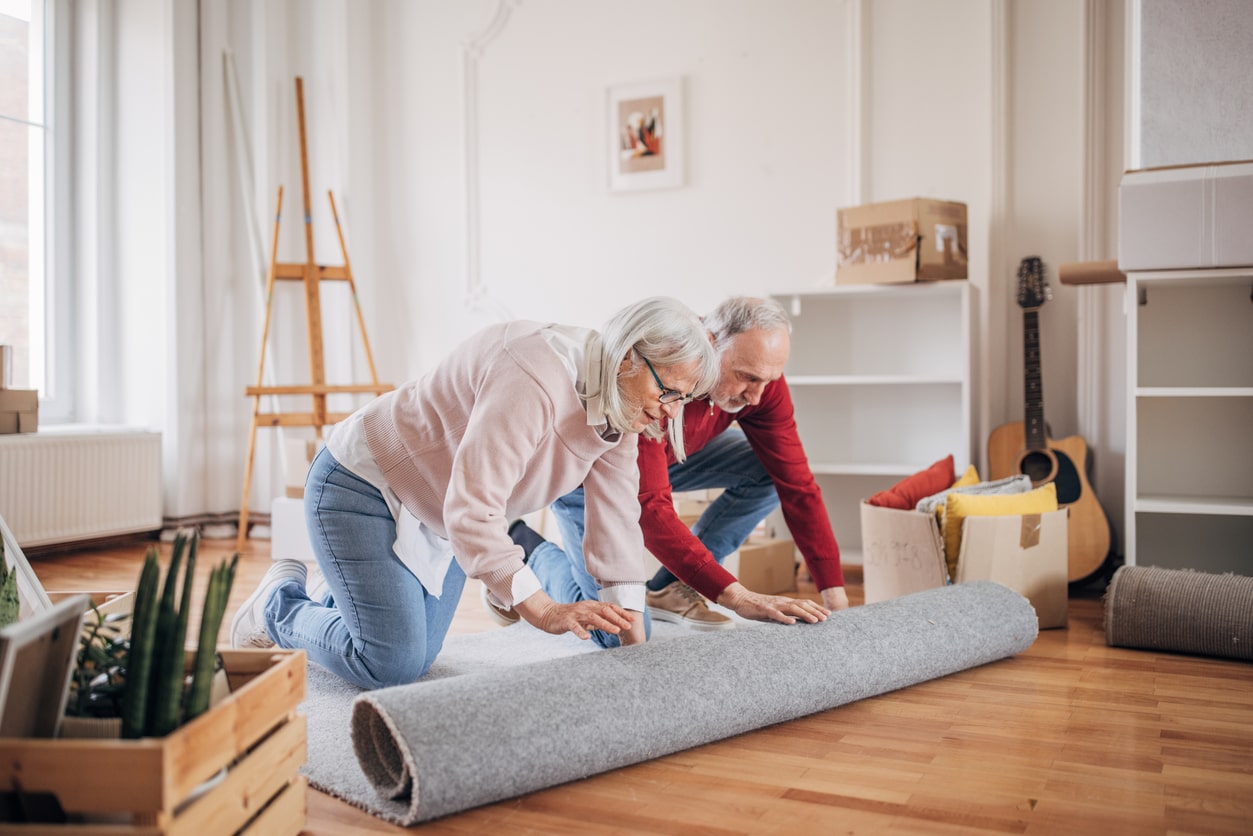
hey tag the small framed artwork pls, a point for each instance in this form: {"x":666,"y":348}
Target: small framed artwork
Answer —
{"x":30,"y":592}
{"x":646,"y":135}
{"x":37,"y":658}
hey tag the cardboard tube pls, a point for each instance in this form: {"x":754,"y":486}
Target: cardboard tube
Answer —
{"x":1091,"y":272}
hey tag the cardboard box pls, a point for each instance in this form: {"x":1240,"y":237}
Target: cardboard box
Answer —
{"x":19,"y":411}
{"x":1186,"y":217}
{"x":902,"y":241}
{"x":903,"y":553}
{"x":765,"y":565}
{"x":1027,"y":553}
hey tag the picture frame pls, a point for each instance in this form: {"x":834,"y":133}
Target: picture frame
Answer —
{"x":646,"y":135}
{"x":37,"y":657}
{"x":30,"y":591}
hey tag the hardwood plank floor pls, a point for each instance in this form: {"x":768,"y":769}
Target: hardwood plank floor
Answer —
{"x":1071,"y":736}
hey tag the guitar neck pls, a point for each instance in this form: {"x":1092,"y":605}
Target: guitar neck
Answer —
{"x":1033,"y":383}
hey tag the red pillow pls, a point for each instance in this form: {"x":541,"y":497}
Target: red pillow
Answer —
{"x":905,"y":494}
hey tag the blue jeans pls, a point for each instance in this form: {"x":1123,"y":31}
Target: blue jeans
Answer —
{"x":726,"y":462}
{"x":379,"y":626}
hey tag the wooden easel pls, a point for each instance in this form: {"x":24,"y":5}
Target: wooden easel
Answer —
{"x":312,"y":275}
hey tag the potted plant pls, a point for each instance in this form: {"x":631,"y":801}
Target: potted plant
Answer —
{"x":94,"y":707}
{"x":138,"y":677}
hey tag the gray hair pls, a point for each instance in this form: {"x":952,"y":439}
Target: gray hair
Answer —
{"x":668,"y":333}
{"x":744,"y":313}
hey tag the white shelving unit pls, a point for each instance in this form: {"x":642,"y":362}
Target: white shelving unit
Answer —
{"x":881,"y":379}
{"x":1190,"y":419}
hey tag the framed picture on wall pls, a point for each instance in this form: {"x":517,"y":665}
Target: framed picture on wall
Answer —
{"x":646,"y":135}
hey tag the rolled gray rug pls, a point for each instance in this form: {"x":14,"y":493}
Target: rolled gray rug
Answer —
{"x":436,"y":748}
{"x":1181,"y":611}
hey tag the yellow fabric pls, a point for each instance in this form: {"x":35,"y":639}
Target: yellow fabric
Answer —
{"x":970,"y":477}
{"x":958,"y":506}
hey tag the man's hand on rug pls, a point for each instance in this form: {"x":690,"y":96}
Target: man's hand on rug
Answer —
{"x":579,"y":618}
{"x":757,"y":607}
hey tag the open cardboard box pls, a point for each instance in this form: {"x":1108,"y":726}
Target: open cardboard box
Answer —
{"x":903,"y":553}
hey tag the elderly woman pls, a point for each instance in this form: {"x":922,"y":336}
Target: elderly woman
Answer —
{"x":415,"y":491}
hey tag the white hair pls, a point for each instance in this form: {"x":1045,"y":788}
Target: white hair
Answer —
{"x":668,"y":333}
{"x":744,"y":313}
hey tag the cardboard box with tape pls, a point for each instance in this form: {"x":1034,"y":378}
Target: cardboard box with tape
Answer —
{"x":901,"y":241}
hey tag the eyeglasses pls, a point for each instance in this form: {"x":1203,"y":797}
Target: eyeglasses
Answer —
{"x":667,"y":395}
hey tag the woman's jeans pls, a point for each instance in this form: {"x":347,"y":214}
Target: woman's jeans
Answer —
{"x":377,"y":626}
{"x":726,"y":462}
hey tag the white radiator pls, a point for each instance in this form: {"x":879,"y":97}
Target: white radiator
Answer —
{"x":61,"y":485}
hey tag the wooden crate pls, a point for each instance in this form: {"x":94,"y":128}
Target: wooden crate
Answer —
{"x":143,"y":786}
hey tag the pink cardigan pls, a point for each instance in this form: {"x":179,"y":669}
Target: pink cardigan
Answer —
{"x":496,"y":431}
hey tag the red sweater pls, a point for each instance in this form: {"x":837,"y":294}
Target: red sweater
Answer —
{"x":770,"y":427}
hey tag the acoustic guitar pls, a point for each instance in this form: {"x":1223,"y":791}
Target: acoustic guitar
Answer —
{"x":1025,"y":446}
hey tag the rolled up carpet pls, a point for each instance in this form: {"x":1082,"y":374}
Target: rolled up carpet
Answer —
{"x":1181,"y":611}
{"x":452,"y":744}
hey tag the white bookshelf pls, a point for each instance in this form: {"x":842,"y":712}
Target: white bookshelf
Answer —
{"x":1189,"y":463}
{"x":881,"y":379}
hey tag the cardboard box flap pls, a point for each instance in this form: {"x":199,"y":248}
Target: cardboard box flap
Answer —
{"x":902,"y":553}
{"x":1027,"y":553}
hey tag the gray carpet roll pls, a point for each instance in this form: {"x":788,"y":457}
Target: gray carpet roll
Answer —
{"x":457,"y":743}
{"x":1180,"y":611}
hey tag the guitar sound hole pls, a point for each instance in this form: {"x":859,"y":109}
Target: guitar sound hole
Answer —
{"x":1037,"y":465}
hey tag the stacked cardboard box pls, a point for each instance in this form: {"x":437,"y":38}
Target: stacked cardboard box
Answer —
{"x":19,"y":411}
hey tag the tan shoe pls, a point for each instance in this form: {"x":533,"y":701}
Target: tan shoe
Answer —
{"x":678,"y":603}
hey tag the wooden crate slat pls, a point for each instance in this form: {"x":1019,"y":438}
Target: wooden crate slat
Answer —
{"x":249,"y":785}
{"x":286,"y":814}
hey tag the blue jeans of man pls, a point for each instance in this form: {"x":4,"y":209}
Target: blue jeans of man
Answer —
{"x":726,"y":462}
{"x":377,"y":626}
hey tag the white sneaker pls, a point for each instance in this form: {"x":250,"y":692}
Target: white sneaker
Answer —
{"x":248,"y":626}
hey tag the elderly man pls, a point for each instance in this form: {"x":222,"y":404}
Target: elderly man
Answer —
{"x":757,"y":463}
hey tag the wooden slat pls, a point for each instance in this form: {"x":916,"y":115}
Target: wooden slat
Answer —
{"x":324,"y":272}
{"x":318,"y":389}
{"x":249,"y":785}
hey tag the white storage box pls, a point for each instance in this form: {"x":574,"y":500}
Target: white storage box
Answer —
{"x":1186,"y":217}
{"x":289,"y":536}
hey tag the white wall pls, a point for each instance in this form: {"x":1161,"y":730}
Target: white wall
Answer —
{"x":1195,"y":84}
{"x":793,"y":109}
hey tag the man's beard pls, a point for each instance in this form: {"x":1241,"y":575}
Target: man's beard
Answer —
{"x":731,"y":405}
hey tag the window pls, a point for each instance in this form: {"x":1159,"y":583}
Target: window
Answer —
{"x":22,"y":134}
{"x":27,"y":289}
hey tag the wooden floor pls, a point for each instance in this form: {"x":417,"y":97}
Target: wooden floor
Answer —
{"x":1069,"y":737}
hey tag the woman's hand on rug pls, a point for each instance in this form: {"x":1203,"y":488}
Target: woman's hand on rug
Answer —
{"x":579,"y":618}
{"x":757,"y":607}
